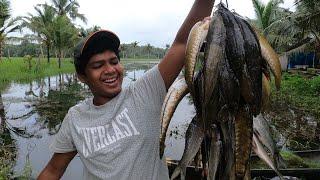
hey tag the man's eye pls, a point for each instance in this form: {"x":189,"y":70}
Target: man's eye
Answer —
{"x":96,"y":66}
{"x":115,"y":61}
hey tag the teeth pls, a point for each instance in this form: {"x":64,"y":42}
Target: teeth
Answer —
{"x":110,"y":80}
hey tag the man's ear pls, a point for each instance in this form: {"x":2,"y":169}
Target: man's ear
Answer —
{"x":82,"y":78}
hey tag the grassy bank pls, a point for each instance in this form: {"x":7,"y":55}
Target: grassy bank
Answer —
{"x":19,"y":69}
{"x":295,"y":111}
{"x":299,"y":92}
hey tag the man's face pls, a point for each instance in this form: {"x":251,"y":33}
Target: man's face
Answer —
{"x":103,"y":75}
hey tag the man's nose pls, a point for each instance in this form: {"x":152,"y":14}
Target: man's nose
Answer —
{"x":108,"y":68}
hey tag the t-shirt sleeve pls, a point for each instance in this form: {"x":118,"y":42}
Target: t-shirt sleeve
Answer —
{"x":62,"y":141}
{"x":150,"y":89}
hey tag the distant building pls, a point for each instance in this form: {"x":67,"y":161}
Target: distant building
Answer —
{"x":300,"y":57}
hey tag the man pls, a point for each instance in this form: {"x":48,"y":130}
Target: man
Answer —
{"x":116,"y":133}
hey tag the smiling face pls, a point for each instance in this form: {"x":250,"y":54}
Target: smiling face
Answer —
{"x":103,"y":75}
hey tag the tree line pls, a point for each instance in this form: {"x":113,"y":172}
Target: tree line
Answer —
{"x":128,"y":51}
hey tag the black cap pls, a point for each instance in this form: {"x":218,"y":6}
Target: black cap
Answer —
{"x":94,"y":43}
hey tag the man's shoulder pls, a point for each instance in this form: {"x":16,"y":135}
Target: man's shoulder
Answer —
{"x":81,"y":106}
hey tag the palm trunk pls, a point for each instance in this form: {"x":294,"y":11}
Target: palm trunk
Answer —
{"x":48,"y":53}
{"x":0,"y":50}
{"x":59,"y":58}
{"x":8,"y":53}
{"x":2,"y":116}
{"x":49,"y":83}
{"x":41,"y":51}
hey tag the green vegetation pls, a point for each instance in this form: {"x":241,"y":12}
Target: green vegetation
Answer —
{"x":17,"y":69}
{"x":7,"y":154}
{"x":8,"y":24}
{"x":295,"y":111}
{"x":24,"y":69}
{"x":53,"y":108}
{"x":292,"y":161}
{"x":285,"y":28}
{"x":299,"y":92}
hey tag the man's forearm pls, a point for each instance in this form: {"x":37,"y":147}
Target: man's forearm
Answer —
{"x":50,"y":173}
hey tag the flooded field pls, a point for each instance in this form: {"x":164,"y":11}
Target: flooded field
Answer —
{"x":32,"y":113}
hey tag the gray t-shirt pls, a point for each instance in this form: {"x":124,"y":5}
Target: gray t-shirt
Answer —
{"x":120,"y":139}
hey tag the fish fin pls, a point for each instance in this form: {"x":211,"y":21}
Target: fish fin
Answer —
{"x":176,"y":173}
{"x":179,"y":170}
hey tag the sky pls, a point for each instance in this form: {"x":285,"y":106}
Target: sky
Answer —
{"x":145,"y":21}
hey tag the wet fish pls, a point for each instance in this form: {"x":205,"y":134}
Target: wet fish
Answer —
{"x":226,"y":168}
{"x":271,"y":57}
{"x":229,"y":86}
{"x":194,"y":137}
{"x":175,"y":94}
{"x":236,"y":53}
{"x":196,"y":38}
{"x":214,"y":52}
{"x":262,"y":132}
{"x":257,"y":147}
{"x":266,"y":91}
{"x":243,"y":140}
{"x":254,"y":67}
{"x":215,"y":151}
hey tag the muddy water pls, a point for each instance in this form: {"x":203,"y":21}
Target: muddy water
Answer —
{"x":33,"y":114}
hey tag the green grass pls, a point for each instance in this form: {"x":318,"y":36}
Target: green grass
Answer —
{"x":17,"y":69}
{"x":292,"y":161}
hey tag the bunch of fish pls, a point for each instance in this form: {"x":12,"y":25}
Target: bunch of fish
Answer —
{"x":229,"y":93}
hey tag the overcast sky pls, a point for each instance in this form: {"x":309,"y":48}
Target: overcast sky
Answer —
{"x":146,"y":21}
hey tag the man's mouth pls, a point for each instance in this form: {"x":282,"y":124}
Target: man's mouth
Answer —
{"x":110,"y":81}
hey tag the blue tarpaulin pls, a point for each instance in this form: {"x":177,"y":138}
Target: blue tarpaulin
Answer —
{"x":308,"y":59}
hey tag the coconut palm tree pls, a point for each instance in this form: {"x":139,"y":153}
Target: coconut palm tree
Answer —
{"x":85,"y":32}
{"x":266,"y":13}
{"x":293,"y":28}
{"x":123,"y":50}
{"x":7,"y":24}
{"x":42,"y":25}
{"x":308,"y":16}
{"x":134,"y":45}
{"x":149,"y":48}
{"x":64,"y":35}
{"x":68,"y":8}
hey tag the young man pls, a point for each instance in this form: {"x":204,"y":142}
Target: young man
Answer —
{"x":116,"y":133}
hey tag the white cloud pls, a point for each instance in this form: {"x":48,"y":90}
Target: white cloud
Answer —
{"x":146,"y":21}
